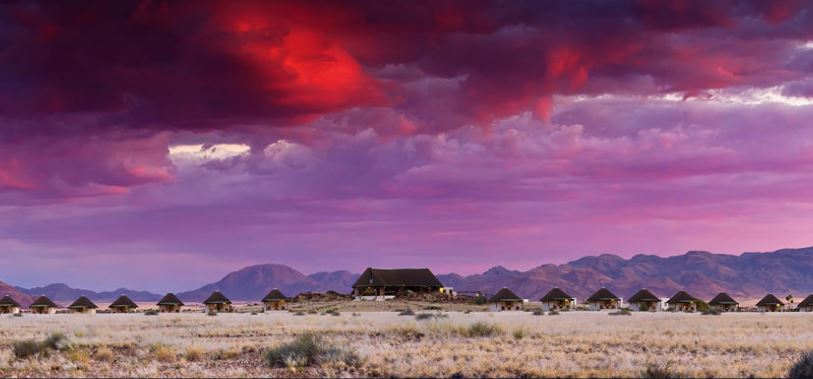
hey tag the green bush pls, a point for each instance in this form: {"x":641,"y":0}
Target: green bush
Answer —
{"x":309,"y":350}
{"x":483,"y":329}
{"x":151,"y":312}
{"x":803,"y":368}
{"x":56,"y":341}
{"x":479,"y":300}
{"x":27,"y":348}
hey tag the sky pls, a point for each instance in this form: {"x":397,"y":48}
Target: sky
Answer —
{"x":162,"y":144}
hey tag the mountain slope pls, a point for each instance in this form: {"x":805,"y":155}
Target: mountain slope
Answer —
{"x":63,"y":293}
{"x":23,"y":298}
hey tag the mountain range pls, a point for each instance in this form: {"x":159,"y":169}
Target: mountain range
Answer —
{"x":703,"y":274}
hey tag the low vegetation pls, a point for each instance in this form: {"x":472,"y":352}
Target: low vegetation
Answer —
{"x":803,"y":368}
{"x":384,"y":344}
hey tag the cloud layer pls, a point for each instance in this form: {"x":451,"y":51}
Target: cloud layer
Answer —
{"x":455,"y":135}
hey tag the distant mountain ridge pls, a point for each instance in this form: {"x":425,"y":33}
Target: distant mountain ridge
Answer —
{"x":702,"y":274}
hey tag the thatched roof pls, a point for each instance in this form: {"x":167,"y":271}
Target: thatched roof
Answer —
{"x":505,"y":295}
{"x":170,"y":299}
{"x":8,"y":301}
{"x":217,"y":298}
{"x":681,"y":297}
{"x":123,"y":302}
{"x":274,"y":295}
{"x":643,"y":296}
{"x":405,"y":277}
{"x":602,"y":294}
{"x":82,"y":302}
{"x":43,"y":301}
{"x":722,"y":298}
{"x":769,"y":299}
{"x":807,"y":302}
{"x":555,"y":294}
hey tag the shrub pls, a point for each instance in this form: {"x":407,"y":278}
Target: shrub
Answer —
{"x":27,"y":349}
{"x":299,"y":313}
{"x":406,"y":312}
{"x":253,"y":313}
{"x":428,"y":316}
{"x":312,"y":311}
{"x":803,"y":368}
{"x":103,"y":354}
{"x":195,"y":353}
{"x":332,"y":312}
{"x":553,"y":313}
{"x":211,"y":313}
{"x":432,"y":308}
{"x":538,"y":312}
{"x":18,"y":315}
{"x":479,"y":300}
{"x":163,"y":353}
{"x":658,"y":371}
{"x":711,"y":312}
{"x":483,"y":329}
{"x":151,"y":312}
{"x":518,"y":334}
{"x":56,"y":341}
{"x":80,"y":356}
{"x":621,"y":312}
{"x":309,"y":350}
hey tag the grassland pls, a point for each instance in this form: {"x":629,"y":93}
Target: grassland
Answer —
{"x":578,"y":344}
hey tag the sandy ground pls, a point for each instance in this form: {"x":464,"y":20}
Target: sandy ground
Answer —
{"x":578,"y":344}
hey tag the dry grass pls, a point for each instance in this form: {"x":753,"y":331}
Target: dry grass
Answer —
{"x":580,"y":344}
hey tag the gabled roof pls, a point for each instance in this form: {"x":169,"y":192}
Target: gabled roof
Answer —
{"x":43,"y":301}
{"x":122,"y":302}
{"x":170,"y":299}
{"x":505,"y":295}
{"x":681,"y":297}
{"x":722,"y":298}
{"x":9,"y":301}
{"x":405,"y":277}
{"x":82,"y":302}
{"x":769,"y":299}
{"x":643,"y":296}
{"x":217,"y":298}
{"x":555,"y":294}
{"x":274,"y":295}
{"x":807,"y":302}
{"x":602,"y":294}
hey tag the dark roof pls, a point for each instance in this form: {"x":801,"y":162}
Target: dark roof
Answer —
{"x":643,"y":295}
{"x":681,"y":297}
{"x":274,"y":295}
{"x":9,"y":301}
{"x":555,"y":294}
{"x":722,"y":298}
{"x":43,"y":301}
{"x":807,"y":302}
{"x":505,"y":295}
{"x":602,"y":294}
{"x":170,"y":299}
{"x":123,"y":301}
{"x":769,"y":299}
{"x":83,"y":302}
{"x":217,"y":298}
{"x":405,"y":277}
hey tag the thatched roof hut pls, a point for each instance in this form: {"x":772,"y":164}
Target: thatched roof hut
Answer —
{"x":43,"y":305}
{"x":8,"y":301}
{"x":123,"y":304}
{"x":603,"y":294}
{"x":274,"y":295}
{"x":681,"y":297}
{"x":723,"y":298}
{"x":770,"y":303}
{"x":643,"y":296}
{"x":217,"y":298}
{"x":82,"y":303}
{"x":170,"y":299}
{"x":382,"y":282}
{"x":505,"y":295}
{"x":806,"y":304}
{"x":556,"y":294}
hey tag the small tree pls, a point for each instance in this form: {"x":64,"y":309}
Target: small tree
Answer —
{"x":789,"y":298}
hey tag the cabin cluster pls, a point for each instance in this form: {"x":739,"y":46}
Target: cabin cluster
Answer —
{"x":384,"y":284}
{"x":170,"y":303}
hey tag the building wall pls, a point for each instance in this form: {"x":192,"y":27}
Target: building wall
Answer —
{"x":557,"y":305}
{"x":601,"y":305}
{"x":806,"y":309}
{"x":724,"y":307}
{"x":9,"y":310}
{"x":219,"y":307}
{"x":769,"y":308}
{"x":645,"y":307}
{"x":683,"y":307}
{"x":169,"y":308}
{"x":43,"y":310}
{"x":276,"y":305}
{"x":506,"y":306}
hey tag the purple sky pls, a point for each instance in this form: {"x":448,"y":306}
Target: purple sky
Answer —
{"x":160,"y":145}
